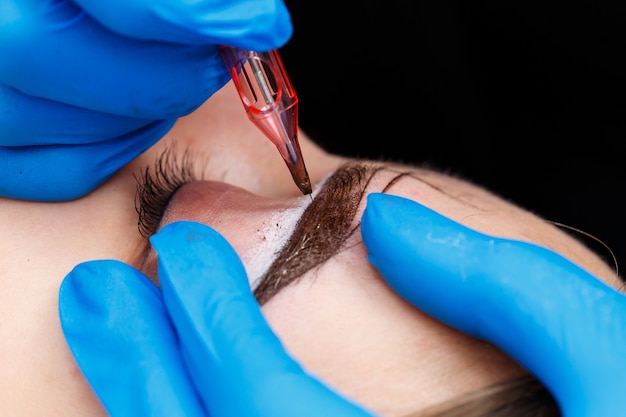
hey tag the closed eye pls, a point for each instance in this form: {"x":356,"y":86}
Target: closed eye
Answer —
{"x":158,"y":183}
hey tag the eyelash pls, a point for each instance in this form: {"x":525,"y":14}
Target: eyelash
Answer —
{"x":157,"y":185}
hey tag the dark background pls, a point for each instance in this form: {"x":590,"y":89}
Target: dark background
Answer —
{"x":526,"y":98}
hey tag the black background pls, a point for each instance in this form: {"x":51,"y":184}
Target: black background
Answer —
{"x":526,"y":98}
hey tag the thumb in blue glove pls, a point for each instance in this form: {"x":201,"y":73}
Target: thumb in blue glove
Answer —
{"x":86,"y":86}
{"x":202,"y":348}
{"x":563,"y":324}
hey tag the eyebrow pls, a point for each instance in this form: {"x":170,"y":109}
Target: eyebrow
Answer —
{"x":322,"y":229}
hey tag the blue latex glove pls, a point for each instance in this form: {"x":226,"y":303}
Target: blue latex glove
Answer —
{"x":87,"y":85}
{"x":199,"y":348}
{"x":560,"y":322}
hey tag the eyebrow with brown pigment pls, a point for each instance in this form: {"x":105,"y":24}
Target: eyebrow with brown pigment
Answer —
{"x":322,"y":229}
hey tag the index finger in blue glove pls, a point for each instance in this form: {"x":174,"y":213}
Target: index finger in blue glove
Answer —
{"x":563,"y":324}
{"x":27,"y":120}
{"x":118,"y":330}
{"x":60,"y":53}
{"x":257,"y":25}
{"x":238,"y":364}
{"x":67,"y":172}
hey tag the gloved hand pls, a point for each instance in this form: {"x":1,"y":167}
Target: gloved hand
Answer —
{"x":564,"y":325}
{"x":199,"y":348}
{"x":87,"y":85}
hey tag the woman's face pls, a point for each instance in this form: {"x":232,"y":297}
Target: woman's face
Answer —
{"x":335,"y":314}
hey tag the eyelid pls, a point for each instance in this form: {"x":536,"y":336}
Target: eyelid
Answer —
{"x":159,"y":182}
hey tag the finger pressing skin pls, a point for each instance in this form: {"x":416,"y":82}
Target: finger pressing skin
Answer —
{"x":238,"y":364}
{"x":565,"y":325}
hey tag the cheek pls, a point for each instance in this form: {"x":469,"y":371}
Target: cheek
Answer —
{"x":353,"y":332}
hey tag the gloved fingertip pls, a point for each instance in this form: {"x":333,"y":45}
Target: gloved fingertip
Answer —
{"x":386,"y":211}
{"x":92,"y":278}
{"x":399,"y":229}
{"x":81,"y":287}
{"x":419,"y":253}
{"x":189,"y":231}
{"x":94,"y":289}
{"x":194,"y":248}
{"x":200,"y":273}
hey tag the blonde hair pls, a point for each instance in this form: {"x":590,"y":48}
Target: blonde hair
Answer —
{"x":524,"y":396}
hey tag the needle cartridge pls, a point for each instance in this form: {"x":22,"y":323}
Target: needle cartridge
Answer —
{"x":271,"y":104}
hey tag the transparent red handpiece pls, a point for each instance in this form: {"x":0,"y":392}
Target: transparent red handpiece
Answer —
{"x":271,"y":103}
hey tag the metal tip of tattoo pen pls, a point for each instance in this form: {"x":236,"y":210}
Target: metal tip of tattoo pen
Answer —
{"x":271,"y":104}
{"x":284,"y":135}
{"x":299,"y":174}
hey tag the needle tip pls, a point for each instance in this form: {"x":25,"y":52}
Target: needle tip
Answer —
{"x":301,"y":177}
{"x":305,"y":186}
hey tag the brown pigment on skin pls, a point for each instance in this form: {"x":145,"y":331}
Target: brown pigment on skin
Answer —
{"x":320,"y":232}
